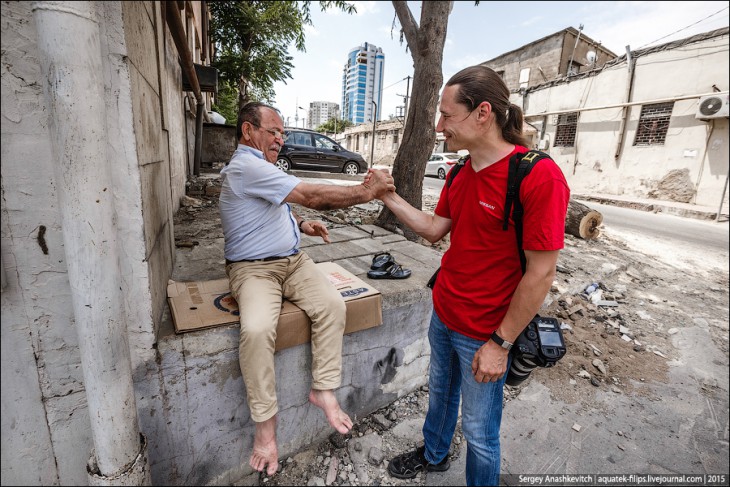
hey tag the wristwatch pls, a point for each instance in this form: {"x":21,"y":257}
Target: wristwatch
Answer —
{"x":301,"y":222}
{"x":501,"y":341}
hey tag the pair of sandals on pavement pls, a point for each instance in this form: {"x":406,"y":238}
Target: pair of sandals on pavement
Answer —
{"x":384,"y":266}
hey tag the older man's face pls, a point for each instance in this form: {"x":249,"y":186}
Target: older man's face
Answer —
{"x":268,"y":136}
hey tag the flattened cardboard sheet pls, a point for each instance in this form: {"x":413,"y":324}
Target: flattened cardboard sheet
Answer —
{"x":206,"y":304}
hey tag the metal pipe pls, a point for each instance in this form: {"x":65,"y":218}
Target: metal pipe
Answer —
{"x":619,"y":105}
{"x":722,"y":198}
{"x":177,"y":29}
{"x":631,"y":61}
{"x":570,"y":63}
{"x":73,"y":73}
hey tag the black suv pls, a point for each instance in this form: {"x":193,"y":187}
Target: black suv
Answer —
{"x":306,"y":149}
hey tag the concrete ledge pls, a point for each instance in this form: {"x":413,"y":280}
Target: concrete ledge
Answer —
{"x":670,"y":208}
{"x":193,"y":405}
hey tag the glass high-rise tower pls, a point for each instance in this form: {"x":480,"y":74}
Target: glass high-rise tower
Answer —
{"x":362,"y":83}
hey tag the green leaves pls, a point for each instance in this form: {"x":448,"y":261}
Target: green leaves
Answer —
{"x":252,"y":40}
{"x":330,"y":125}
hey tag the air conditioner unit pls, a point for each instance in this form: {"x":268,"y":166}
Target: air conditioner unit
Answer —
{"x":713,"y":106}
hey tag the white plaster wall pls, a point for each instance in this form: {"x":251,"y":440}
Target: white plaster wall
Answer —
{"x":45,"y":428}
{"x":46,"y":436}
{"x":127,"y":186}
{"x":683,"y":71}
{"x":590,"y":166}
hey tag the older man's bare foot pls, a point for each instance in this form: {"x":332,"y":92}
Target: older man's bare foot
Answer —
{"x":327,"y":402}
{"x":264,"y":447}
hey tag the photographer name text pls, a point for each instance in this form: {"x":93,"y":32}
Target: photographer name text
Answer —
{"x":616,"y":479}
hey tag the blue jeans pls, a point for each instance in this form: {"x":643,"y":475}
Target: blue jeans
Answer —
{"x":481,"y":414}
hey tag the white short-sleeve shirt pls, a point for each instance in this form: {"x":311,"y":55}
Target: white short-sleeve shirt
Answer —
{"x":256,"y":221}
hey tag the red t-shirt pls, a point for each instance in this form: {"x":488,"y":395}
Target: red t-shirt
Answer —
{"x":481,"y":269}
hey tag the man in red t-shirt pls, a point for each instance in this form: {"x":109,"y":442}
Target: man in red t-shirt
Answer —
{"x":482,"y":300}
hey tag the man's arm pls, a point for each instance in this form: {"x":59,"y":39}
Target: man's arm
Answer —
{"x":490,"y":361}
{"x":312,"y":227}
{"x":331,"y":197}
{"x":431,"y":227}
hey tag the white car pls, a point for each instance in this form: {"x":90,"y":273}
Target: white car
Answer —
{"x":440,"y":163}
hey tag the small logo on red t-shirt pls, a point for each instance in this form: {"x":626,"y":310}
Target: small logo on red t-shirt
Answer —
{"x":491,"y":207}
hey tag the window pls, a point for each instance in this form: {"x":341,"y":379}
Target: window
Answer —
{"x":573,"y":68}
{"x":500,"y":74}
{"x":301,"y":138}
{"x":321,"y":142}
{"x":565,"y":133}
{"x":653,"y":124}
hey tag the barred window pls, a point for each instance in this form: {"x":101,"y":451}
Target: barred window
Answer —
{"x":565,"y":133}
{"x":653,"y":124}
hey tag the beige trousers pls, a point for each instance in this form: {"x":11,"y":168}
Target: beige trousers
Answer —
{"x":259,"y":287}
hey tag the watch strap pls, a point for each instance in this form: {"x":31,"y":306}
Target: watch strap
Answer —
{"x":501,"y":341}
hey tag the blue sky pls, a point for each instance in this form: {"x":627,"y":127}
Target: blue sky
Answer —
{"x":476,"y":34}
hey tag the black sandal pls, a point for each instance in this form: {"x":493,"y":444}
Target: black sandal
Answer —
{"x":407,"y":465}
{"x":391,"y":270}
{"x":380,"y":260}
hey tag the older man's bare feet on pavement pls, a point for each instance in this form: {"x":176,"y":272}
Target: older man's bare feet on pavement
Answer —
{"x":264,"y":447}
{"x":327,"y":402}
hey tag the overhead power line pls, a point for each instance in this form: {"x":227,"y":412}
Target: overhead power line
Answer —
{"x":683,"y":28}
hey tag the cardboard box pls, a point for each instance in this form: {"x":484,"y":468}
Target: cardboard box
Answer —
{"x":206,"y":304}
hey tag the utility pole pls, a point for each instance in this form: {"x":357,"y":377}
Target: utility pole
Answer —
{"x":406,"y":97}
{"x":408,"y":87}
{"x":372,"y":143}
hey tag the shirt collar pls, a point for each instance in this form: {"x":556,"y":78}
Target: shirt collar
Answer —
{"x":251,"y":150}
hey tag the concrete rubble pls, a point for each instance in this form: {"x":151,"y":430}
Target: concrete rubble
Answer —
{"x":646,"y":373}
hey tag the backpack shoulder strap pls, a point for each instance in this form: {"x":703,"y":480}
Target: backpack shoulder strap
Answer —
{"x":455,"y":170}
{"x":520,"y":166}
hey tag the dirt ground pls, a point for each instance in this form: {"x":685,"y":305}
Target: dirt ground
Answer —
{"x":617,"y":338}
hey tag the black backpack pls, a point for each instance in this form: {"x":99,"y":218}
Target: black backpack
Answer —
{"x":520,"y":165}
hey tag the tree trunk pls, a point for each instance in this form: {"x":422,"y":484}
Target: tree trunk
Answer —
{"x":426,"y":44}
{"x":582,"y":221}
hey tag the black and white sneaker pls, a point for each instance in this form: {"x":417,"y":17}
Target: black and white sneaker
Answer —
{"x":407,"y":465}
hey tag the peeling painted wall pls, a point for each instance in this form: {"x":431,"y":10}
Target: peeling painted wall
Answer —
{"x":699,"y":147}
{"x":46,"y":438}
{"x":43,"y":400}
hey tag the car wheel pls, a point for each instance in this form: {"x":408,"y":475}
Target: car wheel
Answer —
{"x":442,"y":173}
{"x":283,"y":164}
{"x":351,"y":169}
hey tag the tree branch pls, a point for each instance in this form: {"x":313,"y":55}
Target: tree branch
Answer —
{"x":407,"y":23}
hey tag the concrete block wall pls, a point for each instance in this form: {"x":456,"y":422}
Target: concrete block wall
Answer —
{"x":219,"y":142}
{"x":192,"y":402}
